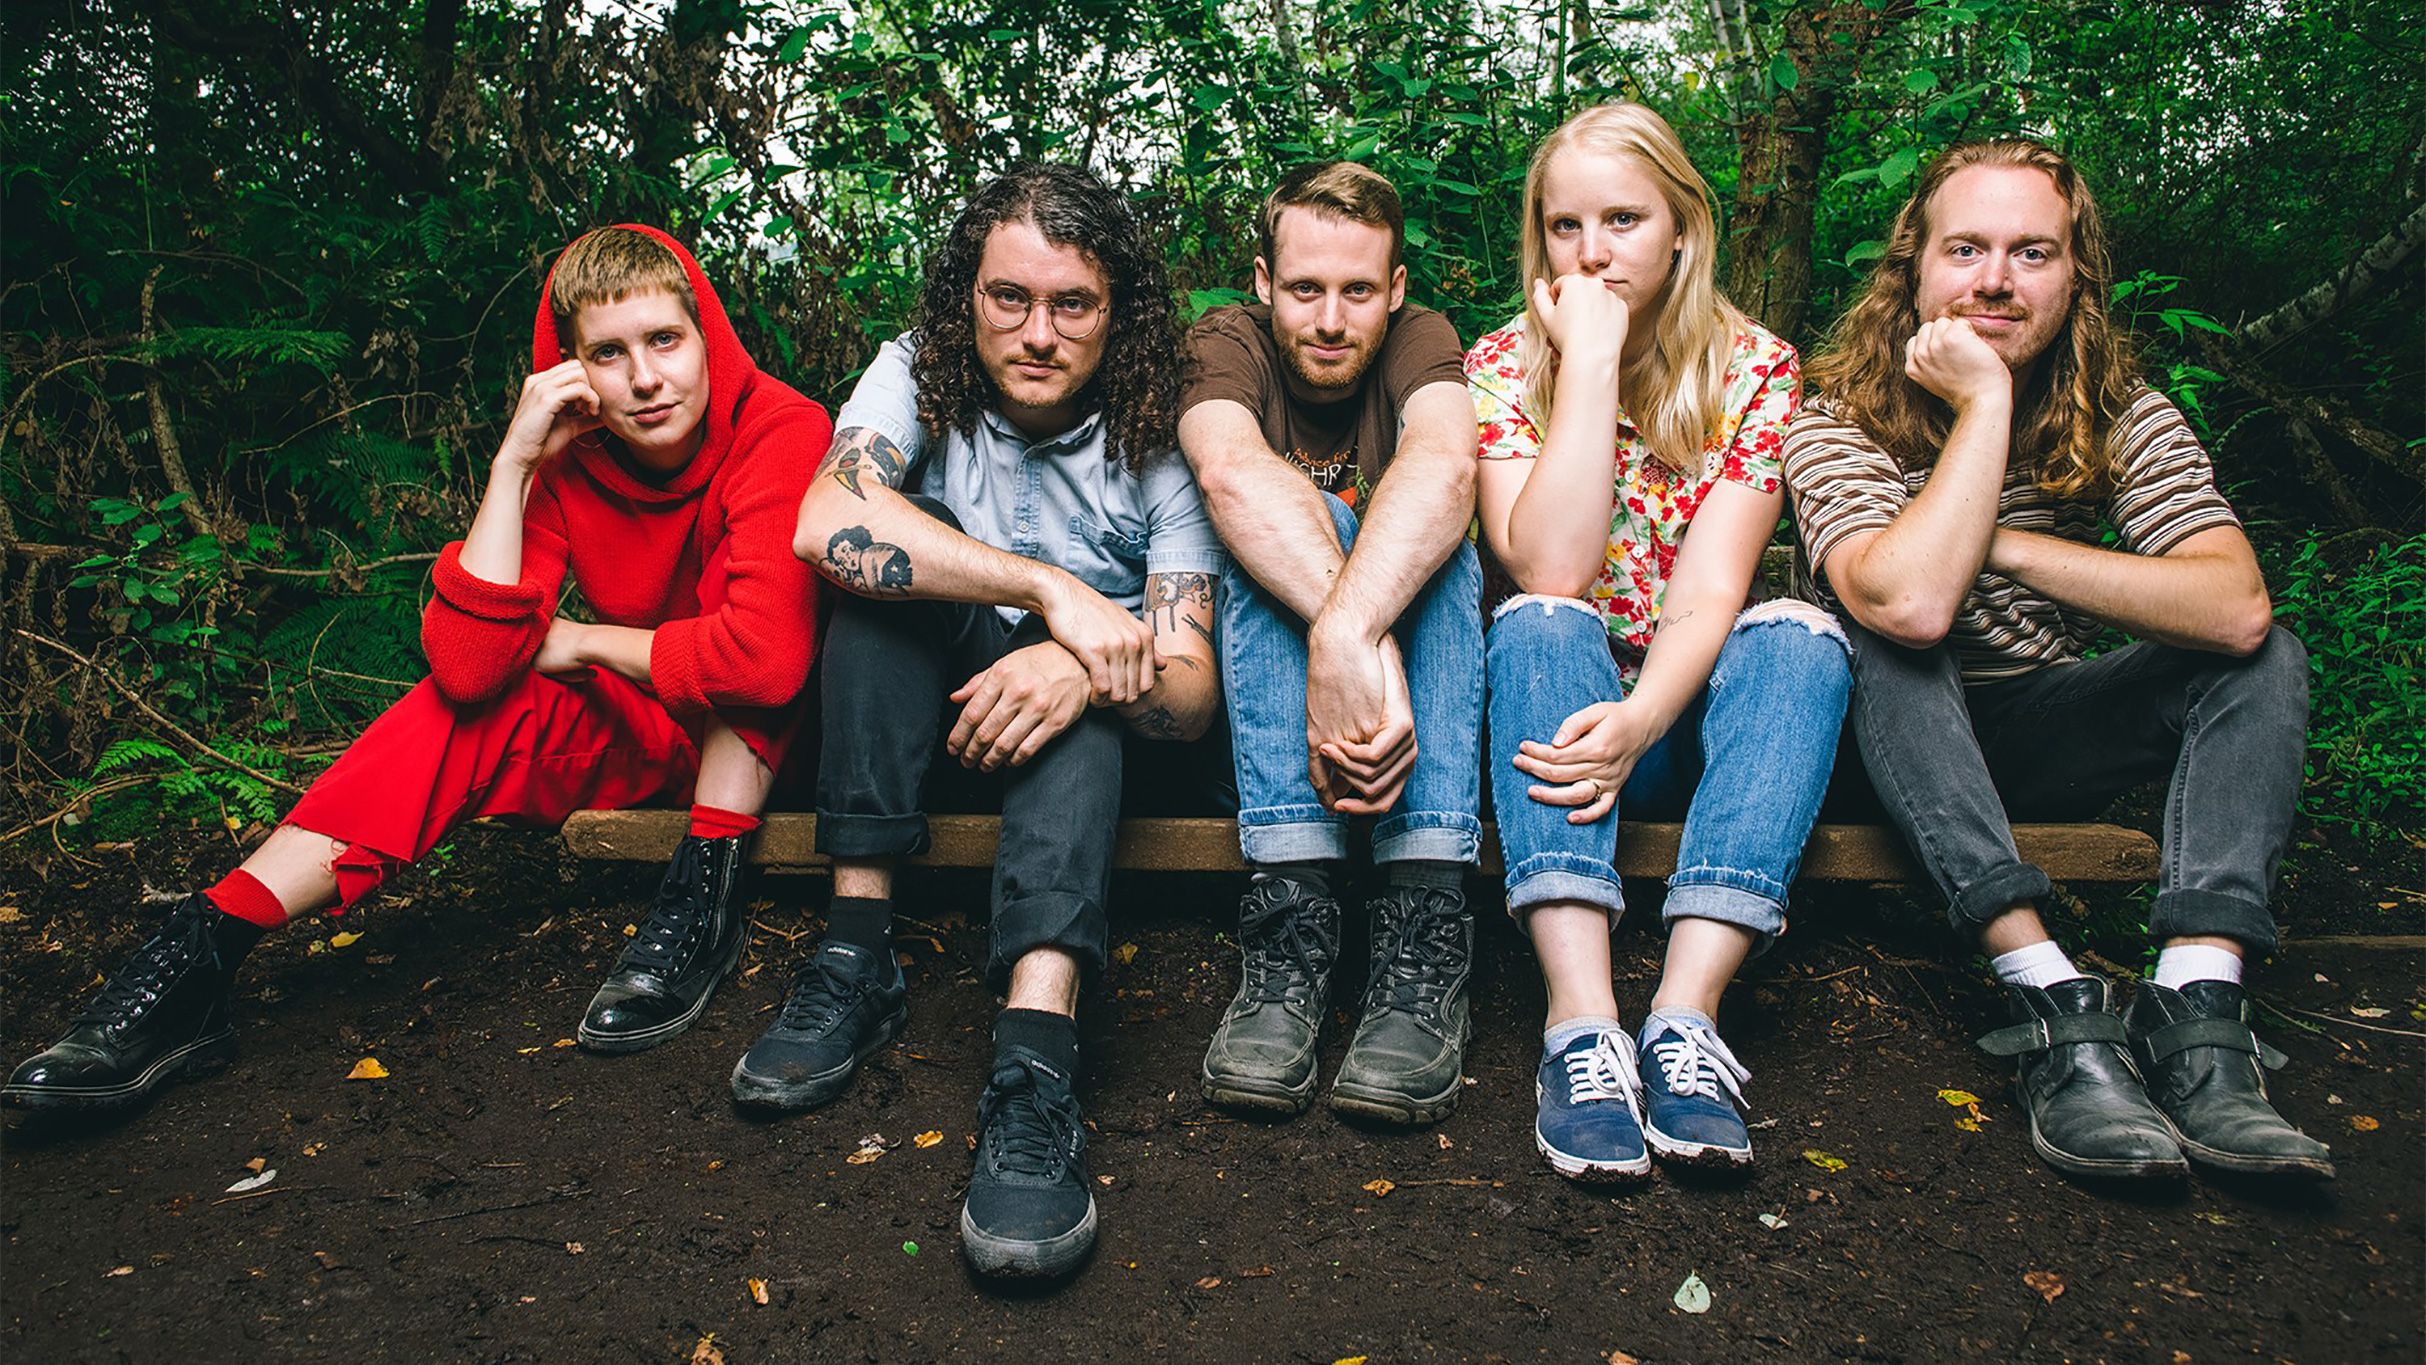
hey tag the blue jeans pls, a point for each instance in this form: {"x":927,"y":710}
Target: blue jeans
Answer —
{"x":1746,"y":763}
{"x":1263,"y":676}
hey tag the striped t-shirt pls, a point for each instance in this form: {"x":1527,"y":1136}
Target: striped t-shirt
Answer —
{"x":1842,"y":484}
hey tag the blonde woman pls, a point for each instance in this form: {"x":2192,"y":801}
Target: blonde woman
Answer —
{"x":1629,"y":402}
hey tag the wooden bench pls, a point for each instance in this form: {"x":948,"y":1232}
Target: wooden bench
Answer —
{"x":1836,"y":853}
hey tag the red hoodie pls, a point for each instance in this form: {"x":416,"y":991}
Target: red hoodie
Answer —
{"x":704,"y":558}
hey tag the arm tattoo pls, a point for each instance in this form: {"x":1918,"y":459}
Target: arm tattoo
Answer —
{"x":1169,"y":597}
{"x":862,"y":452}
{"x":865,"y":565}
{"x":1157,"y":723}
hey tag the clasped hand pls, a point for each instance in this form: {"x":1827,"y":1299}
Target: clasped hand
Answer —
{"x":1588,"y":761}
{"x":1360,"y":723}
{"x":1016,"y":707}
{"x":1113,"y":647}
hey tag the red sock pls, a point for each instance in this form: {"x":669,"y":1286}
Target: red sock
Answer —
{"x":241,"y":894}
{"x":710,"y":822}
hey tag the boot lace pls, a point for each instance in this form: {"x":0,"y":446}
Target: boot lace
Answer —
{"x":823,"y":991}
{"x":1693,"y":1060}
{"x":1030,"y":1121}
{"x":138,"y":984}
{"x":1427,"y":946}
{"x":675,"y":921}
{"x":1605,"y":1071}
{"x":1286,"y":948}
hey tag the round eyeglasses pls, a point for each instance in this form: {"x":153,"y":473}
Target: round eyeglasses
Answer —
{"x":1007,"y":307}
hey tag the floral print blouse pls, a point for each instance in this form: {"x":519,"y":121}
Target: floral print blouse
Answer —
{"x":1654,"y":502}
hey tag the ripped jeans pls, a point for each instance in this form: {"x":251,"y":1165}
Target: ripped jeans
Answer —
{"x":1745,"y":764}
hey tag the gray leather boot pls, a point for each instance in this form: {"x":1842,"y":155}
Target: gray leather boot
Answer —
{"x":2089,"y":1114}
{"x":1407,"y":1061}
{"x":2202,"y":1060}
{"x":1263,"y":1054}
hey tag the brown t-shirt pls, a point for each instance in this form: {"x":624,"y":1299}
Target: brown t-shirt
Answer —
{"x":1843,"y":484}
{"x":1342,"y":446}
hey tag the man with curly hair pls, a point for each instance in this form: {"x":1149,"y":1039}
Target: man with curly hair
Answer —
{"x":1982,"y":421}
{"x":1330,"y":424}
{"x":1047,"y":596}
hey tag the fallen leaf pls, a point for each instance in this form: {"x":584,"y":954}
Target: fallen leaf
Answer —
{"x":327,"y":1262}
{"x":122,"y":1270}
{"x":1103,"y":1180}
{"x":1125,"y":954}
{"x":2368,"y":1012}
{"x":562,"y":1042}
{"x":1617,"y":1357}
{"x":253,"y":1182}
{"x":256,"y":1164}
{"x":864,"y":1155}
{"x":1261,"y":1272}
{"x":1380,"y":1188}
{"x":1445,"y":1143}
{"x":909,"y":1248}
{"x":1823,"y":1159}
{"x":1960,"y":1099}
{"x":758,"y":1292}
{"x":1693,"y":1296}
{"x":928,"y":1138}
{"x":1772,"y":1222}
{"x":344,"y":940}
{"x":717,"y":1164}
{"x":2049,"y":1284}
{"x":368,"y":1069}
{"x":526,"y":1051}
{"x":574,"y":1248}
{"x":705,"y":1353}
{"x":317,"y":946}
{"x":2333,"y":1099}
{"x":2364,"y":1123}
{"x":631,"y":931}
{"x":1349,"y":1360}
{"x":1968,"y":1125}
{"x":315,"y":1149}
{"x":1209,"y":1282}
{"x":2208,"y":1216}
{"x":2181,"y":1358}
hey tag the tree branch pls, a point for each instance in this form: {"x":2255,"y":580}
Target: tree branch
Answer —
{"x":2376,"y":266}
{"x":162,"y":721}
{"x":164,"y":433}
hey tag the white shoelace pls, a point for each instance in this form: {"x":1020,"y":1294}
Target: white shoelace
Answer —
{"x":1695,"y":1061}
{"x":1606,"y":1072}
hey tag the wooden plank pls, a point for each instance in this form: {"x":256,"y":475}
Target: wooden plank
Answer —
{"x":1837,"y":853}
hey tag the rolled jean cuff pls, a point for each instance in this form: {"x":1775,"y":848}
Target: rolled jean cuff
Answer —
{"x":1547,"y":877}
{"x":843,"y":835}
{"x":1428,"y":836}
{"x":1292,"y":834}
{"x":2183,"y":912}
{"x":1994,"y":894}
{"x":1074,"y":924}
{"x":1727,"y":902}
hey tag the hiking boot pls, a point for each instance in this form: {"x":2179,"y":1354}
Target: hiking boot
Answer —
{"x":846,"y":1002}
{"x":2089,"y":1114}
{"x":1406,"y":1063}
{"x":2202,"y":1060}
{"x":690,"y":941}
{"x":162,"y":1014}
{"x":1588,"y":1116}
{"x":1692,"y":1092}
{"x":1263,"y":1054}
{"x":1029,"y":1212}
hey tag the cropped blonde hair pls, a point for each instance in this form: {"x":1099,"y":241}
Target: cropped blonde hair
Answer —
{"x":612,"y":264}
{"x":1675,"y":392}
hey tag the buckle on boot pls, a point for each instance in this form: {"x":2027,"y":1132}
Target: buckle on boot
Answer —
{"x":2224,"y":1033}
{"x":2041,"y":1034}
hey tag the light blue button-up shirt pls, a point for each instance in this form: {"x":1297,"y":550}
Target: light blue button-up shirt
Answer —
{"x":1057,"y":500}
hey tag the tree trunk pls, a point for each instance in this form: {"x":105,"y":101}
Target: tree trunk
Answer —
{"x":1776,"y":194}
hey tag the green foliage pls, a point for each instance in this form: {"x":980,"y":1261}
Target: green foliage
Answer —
{"x":2364,"y":622}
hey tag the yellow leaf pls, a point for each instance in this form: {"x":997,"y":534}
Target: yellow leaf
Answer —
{"x":562,"y":1042}
{"x":2364,"y":1123}
{"x":1960,"y":1099}
{"x":705,"y":1353}
{"x":1968,"y":1125}
{"x":630,"y":931}
{"x":1380,"y":1188}
{"x":368,"y":1069}
{"x":758,"y":1292}
{"x":2049,"y":1284}
{"x":346,"y":940}
{"x":1349,"y":1360}
{"x":1826,"y":1161}
{"x":1125,"y":954}
{"x":928,"y":1138}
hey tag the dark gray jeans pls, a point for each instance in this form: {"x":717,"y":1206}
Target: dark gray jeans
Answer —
{"x":1955,"y":765}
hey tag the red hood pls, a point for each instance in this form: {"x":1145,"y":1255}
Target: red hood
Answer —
{"x":731,"y":377}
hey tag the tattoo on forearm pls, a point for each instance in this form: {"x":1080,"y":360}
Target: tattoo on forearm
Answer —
{"x":866,"y":565}
{"x":1170,"y":596}
{"x":862,"y":452}
{"x":1157,"y":723}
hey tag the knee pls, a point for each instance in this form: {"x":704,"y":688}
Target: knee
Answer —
{"x":1530,"y":625}
{"x":2278,"y":671}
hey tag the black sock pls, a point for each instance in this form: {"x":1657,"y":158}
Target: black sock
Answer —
{"x":1051,"y":1036}
{"x":233,"y":938}
{"x":861,"y":921}
{"x":1315,"y":877}
{"x":1439,"y":876}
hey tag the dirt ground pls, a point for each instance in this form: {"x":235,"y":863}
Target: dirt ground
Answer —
{"x":502,"y":1196}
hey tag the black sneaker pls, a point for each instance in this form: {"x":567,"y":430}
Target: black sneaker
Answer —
{"x":690,"y":941}
{"x":1030,"y":1214}
{"x":162,"y":1014}
{"x":846,"y":1002}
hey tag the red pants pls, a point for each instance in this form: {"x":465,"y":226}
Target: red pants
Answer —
{"x":545,"y":748}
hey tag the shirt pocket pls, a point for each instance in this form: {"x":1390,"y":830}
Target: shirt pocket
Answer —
{"x":1111,"y":560}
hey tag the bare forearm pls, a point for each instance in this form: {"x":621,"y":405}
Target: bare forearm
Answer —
{"x":872,"y":541}
{"x":1181,"y":706}
{"x":1272,"y":519}
{"x":1419,"y":514}
{"x":622,"y":650}
{"x":2209,"y":601}
{"x":1912,"y":577}
{"x":1555,"y":535}
{"x":492,"y":549}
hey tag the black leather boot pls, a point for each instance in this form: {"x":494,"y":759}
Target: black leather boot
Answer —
{"x":690,"y":941}
{"x":162,"y":1014}
{"x":2202,"y":1060}
{"x":2089,"y":1114}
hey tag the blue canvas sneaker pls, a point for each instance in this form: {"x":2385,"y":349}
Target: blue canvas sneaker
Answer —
{"x":1692,"y":1092}
{"x":1589,"y":1120}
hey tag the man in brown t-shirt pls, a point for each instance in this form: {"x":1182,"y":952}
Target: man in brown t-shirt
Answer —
{"x":1982,"y":422}
{"x":1333,"y":440}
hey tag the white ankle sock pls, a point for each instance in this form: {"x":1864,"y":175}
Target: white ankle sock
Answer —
{"x":2039,"y":964}
{"x":1556,"y":1038}
{"x":2184,"y":963}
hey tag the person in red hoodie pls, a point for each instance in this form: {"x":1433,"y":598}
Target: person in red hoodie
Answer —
{"x":650,"y":461}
